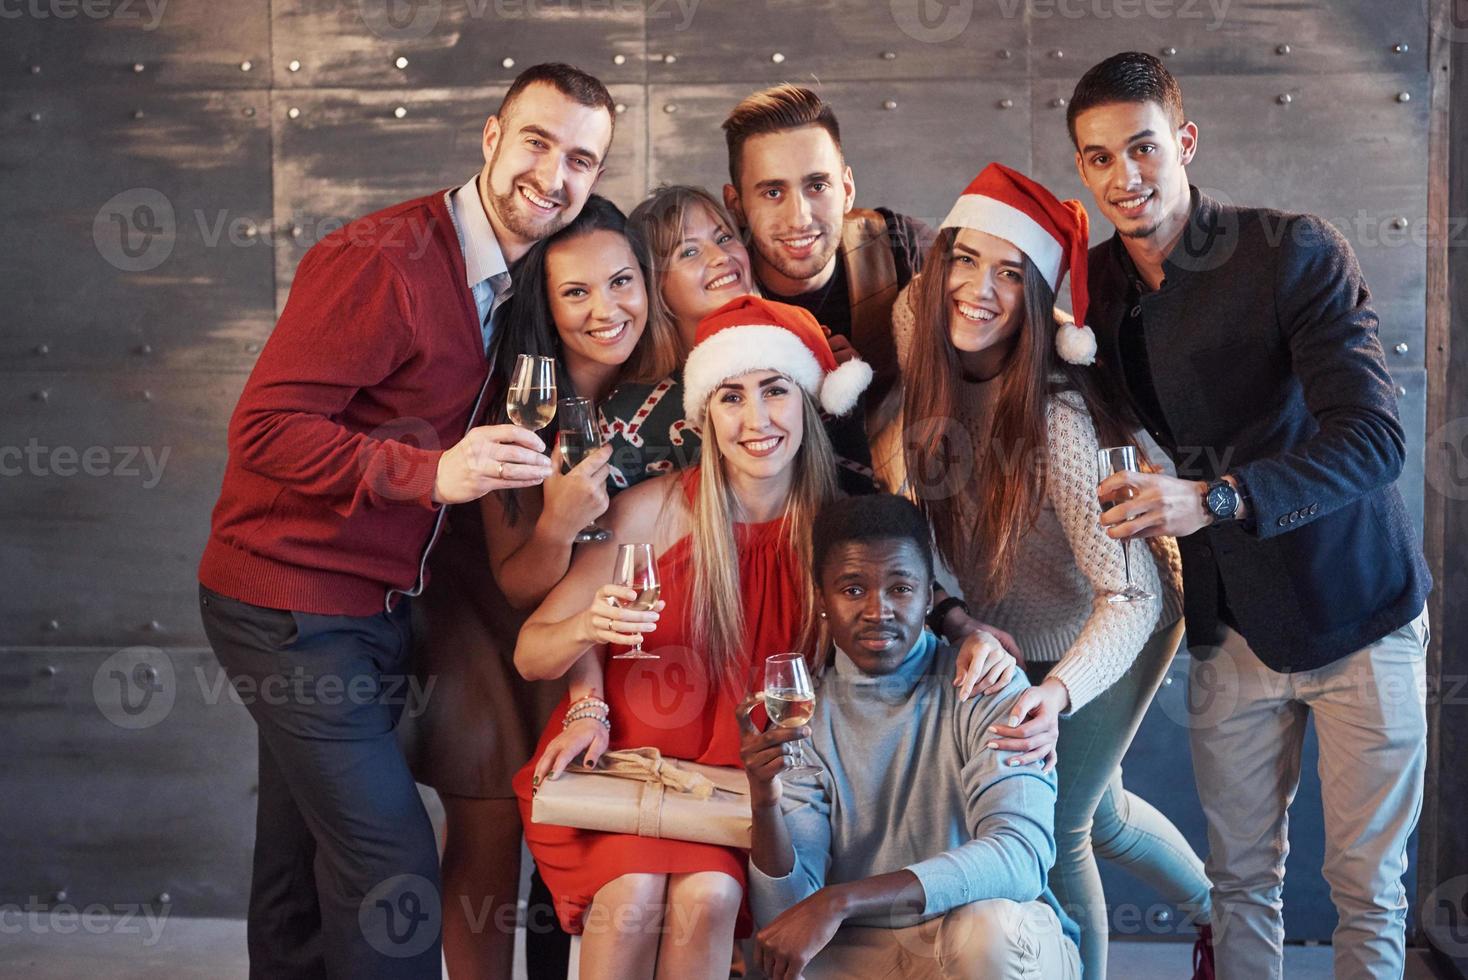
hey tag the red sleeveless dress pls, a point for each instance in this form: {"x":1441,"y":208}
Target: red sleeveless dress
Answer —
{"x":673,"y":704}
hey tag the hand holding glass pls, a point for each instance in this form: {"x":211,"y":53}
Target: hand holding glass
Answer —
{"x":579,"y":436}
{"x":531,"y":400}
{"x":637,"y":570}
{"x":790,"y":701}
{"x":1121,"y":459}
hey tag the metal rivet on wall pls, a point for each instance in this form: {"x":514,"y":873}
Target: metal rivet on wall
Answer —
{"x":889,"y":55}
{"x":34,"y":117}
{"x":670,"y":59}
{"x":293,"y":66}
{"x":777,"y":58}
{"x":53,"y":626}
{"x":144,"y":349}
{"x":297,"y":231}
{"x":252,"y":348}
{"x":1168,"y":52}
{"x":619,"y":59}
{"x":1400,"y":48}
{"x":1283,"y":49}
{"x":1006,"y":103}
{"x":44,"y":395}
{"x":59,"y":896}
{"x":621,"y":107}
{"x":1284,"y":98}
{"x":164,"y":898}
{"x":153,"y":627}
{"x":670,"y":108}
{"x":145,"y":395}
{"x":1401,"y":348}
{"x":1057,"y":53}
{"x":400,"y":112}
{"x":293,"y":113}
{"x":246,"y":65}
{"x":400,"y":63}
{"x":1399,"y":222}
{"x":49,"y":670}
{"x":138,"y":67}
{"x":1005,"y":54}
{"x":137,"y":113}
{"x":1167,"y":682}
{"x":35,"y":69}
{"x":249,"y":110}
{"x":1057,"y":103}
{"x":1404,"y":96}
{"x":889,"y":104}
{"x":1401,"y":391}
{"x":43,"y":349}
{"x":507,"y":63}
{"x":251,"y":229}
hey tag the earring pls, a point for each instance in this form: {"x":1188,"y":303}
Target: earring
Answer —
{"x":823,"y":615}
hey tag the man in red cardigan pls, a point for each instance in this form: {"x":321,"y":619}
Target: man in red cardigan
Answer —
{"x":353,"y":433}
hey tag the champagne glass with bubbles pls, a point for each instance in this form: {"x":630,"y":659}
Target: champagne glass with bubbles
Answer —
{"x":579,"y":437}
{"x":531,"y":401}
{"x":637,"y":570}
{"x":1121,"y":459}
{"x":790,"y":701}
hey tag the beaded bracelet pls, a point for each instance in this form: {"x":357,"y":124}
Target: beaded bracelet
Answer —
{"x":567,"y":721}
{"x":590,"y":700}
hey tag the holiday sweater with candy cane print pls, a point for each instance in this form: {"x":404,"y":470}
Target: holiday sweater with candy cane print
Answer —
{"x":1056,"y":607}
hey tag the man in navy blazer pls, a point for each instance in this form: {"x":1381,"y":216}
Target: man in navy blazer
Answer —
{"x":1245,"y":341}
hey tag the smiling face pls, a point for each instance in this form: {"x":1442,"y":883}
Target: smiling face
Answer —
{"x":708,"y":267}
{"x":598,"y":299}
{"x":794,"y":192}
{"x":986,"y":294}
{"x":758,"y":423}
{"x":543,"y":159}
{"x":1133,"y":159}
{"x":875,"y":595}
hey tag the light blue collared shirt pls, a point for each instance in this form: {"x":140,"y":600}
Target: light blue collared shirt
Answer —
{"x":487,"y":274}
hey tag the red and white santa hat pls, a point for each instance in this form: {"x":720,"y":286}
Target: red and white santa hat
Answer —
{"x":752,"y":333}
{"x":1053,"y":233}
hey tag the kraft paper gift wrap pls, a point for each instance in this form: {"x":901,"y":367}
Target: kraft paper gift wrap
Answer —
{"x":638,"y":791}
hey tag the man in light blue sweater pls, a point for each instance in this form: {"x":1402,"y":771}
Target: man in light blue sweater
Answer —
{"x":922,"y":849}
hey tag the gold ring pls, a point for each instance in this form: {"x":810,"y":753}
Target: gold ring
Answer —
{"x":502,"y":469}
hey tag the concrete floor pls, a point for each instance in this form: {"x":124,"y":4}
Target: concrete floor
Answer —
{"x":68,"y":947}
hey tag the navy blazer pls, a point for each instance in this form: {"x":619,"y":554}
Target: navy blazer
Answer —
{"x":1265,"y":357}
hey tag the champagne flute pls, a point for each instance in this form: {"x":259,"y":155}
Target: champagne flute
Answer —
{"x":790,"y":701}
{"x":1121,"y":459}
{"x":579,"y":436}
{"x":531,"y":401}
{"x":637,"y":570}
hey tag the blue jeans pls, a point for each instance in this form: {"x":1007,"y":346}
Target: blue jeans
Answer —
{"x":1095,"y":815}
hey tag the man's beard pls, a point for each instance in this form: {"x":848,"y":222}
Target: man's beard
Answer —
{"x":510,"y":206}
{"x":1147,"y":232}
{"x":801,"y":269}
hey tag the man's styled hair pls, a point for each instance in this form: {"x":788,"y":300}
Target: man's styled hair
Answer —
{"x":869,"y":517}
{"x":1132,"y":76}
{"x":775,"y":110}
{"x":569,"y":80}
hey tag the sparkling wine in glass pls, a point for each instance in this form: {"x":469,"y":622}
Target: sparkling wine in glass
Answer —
{"x":1121,"y":459}
{"x":579,"y":436}
{"x":531,"y":401}
{"x":790,"y":701}
{"x":637,"y":570}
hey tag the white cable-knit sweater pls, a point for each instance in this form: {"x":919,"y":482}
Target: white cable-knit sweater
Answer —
{"x":1056,"y":607}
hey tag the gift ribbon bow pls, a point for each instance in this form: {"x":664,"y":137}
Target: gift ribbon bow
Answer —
{"x":658,"y":775}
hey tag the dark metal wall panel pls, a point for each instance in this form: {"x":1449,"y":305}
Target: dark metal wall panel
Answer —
{"x":137,"y":46}
{"x":347,"y":152}
{"x":770,"y":41}
{"x":912,"y":146}
{"x":109,"y":479}
{"x":141,"y":246}
{"x":358,"y":43}
{"x":116,"y":795}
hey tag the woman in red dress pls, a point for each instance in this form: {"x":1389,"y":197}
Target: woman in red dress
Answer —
{"x":731,"y":537}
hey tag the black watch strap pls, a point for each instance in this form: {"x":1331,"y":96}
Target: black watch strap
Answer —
{"x":940,"y":613}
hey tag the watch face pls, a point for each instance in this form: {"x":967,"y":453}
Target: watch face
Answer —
{"x":1223,"y":501}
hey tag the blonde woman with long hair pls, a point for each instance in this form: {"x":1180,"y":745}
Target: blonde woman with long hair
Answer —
{"x":731,"y":538}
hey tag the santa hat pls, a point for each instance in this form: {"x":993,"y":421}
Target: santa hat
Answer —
{"x":1053,"y":233}
{"x":752,"y":333}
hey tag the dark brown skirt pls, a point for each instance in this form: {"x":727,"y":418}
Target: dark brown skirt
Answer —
{"x":481,"y":720}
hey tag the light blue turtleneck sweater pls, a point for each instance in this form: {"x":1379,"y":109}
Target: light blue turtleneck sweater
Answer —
{"x":910,"y":784}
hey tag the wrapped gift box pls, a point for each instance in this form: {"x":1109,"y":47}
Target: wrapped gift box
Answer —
{"x":639,"y":791}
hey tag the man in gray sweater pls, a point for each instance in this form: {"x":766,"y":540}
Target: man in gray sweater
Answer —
{"x":922,"y":849}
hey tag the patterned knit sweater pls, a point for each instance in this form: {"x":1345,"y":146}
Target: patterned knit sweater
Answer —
{"x":1056,"y":606}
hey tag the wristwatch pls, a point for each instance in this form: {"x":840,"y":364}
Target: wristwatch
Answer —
{"x":1222,"y":500}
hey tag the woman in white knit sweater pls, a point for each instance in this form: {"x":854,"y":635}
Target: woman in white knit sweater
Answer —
{"x":994,"y":435}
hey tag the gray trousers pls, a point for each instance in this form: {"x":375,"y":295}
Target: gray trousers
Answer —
{"x":1247,"y":728}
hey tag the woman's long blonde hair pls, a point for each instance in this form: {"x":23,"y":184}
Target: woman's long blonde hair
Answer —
{"x":716,"y":612}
